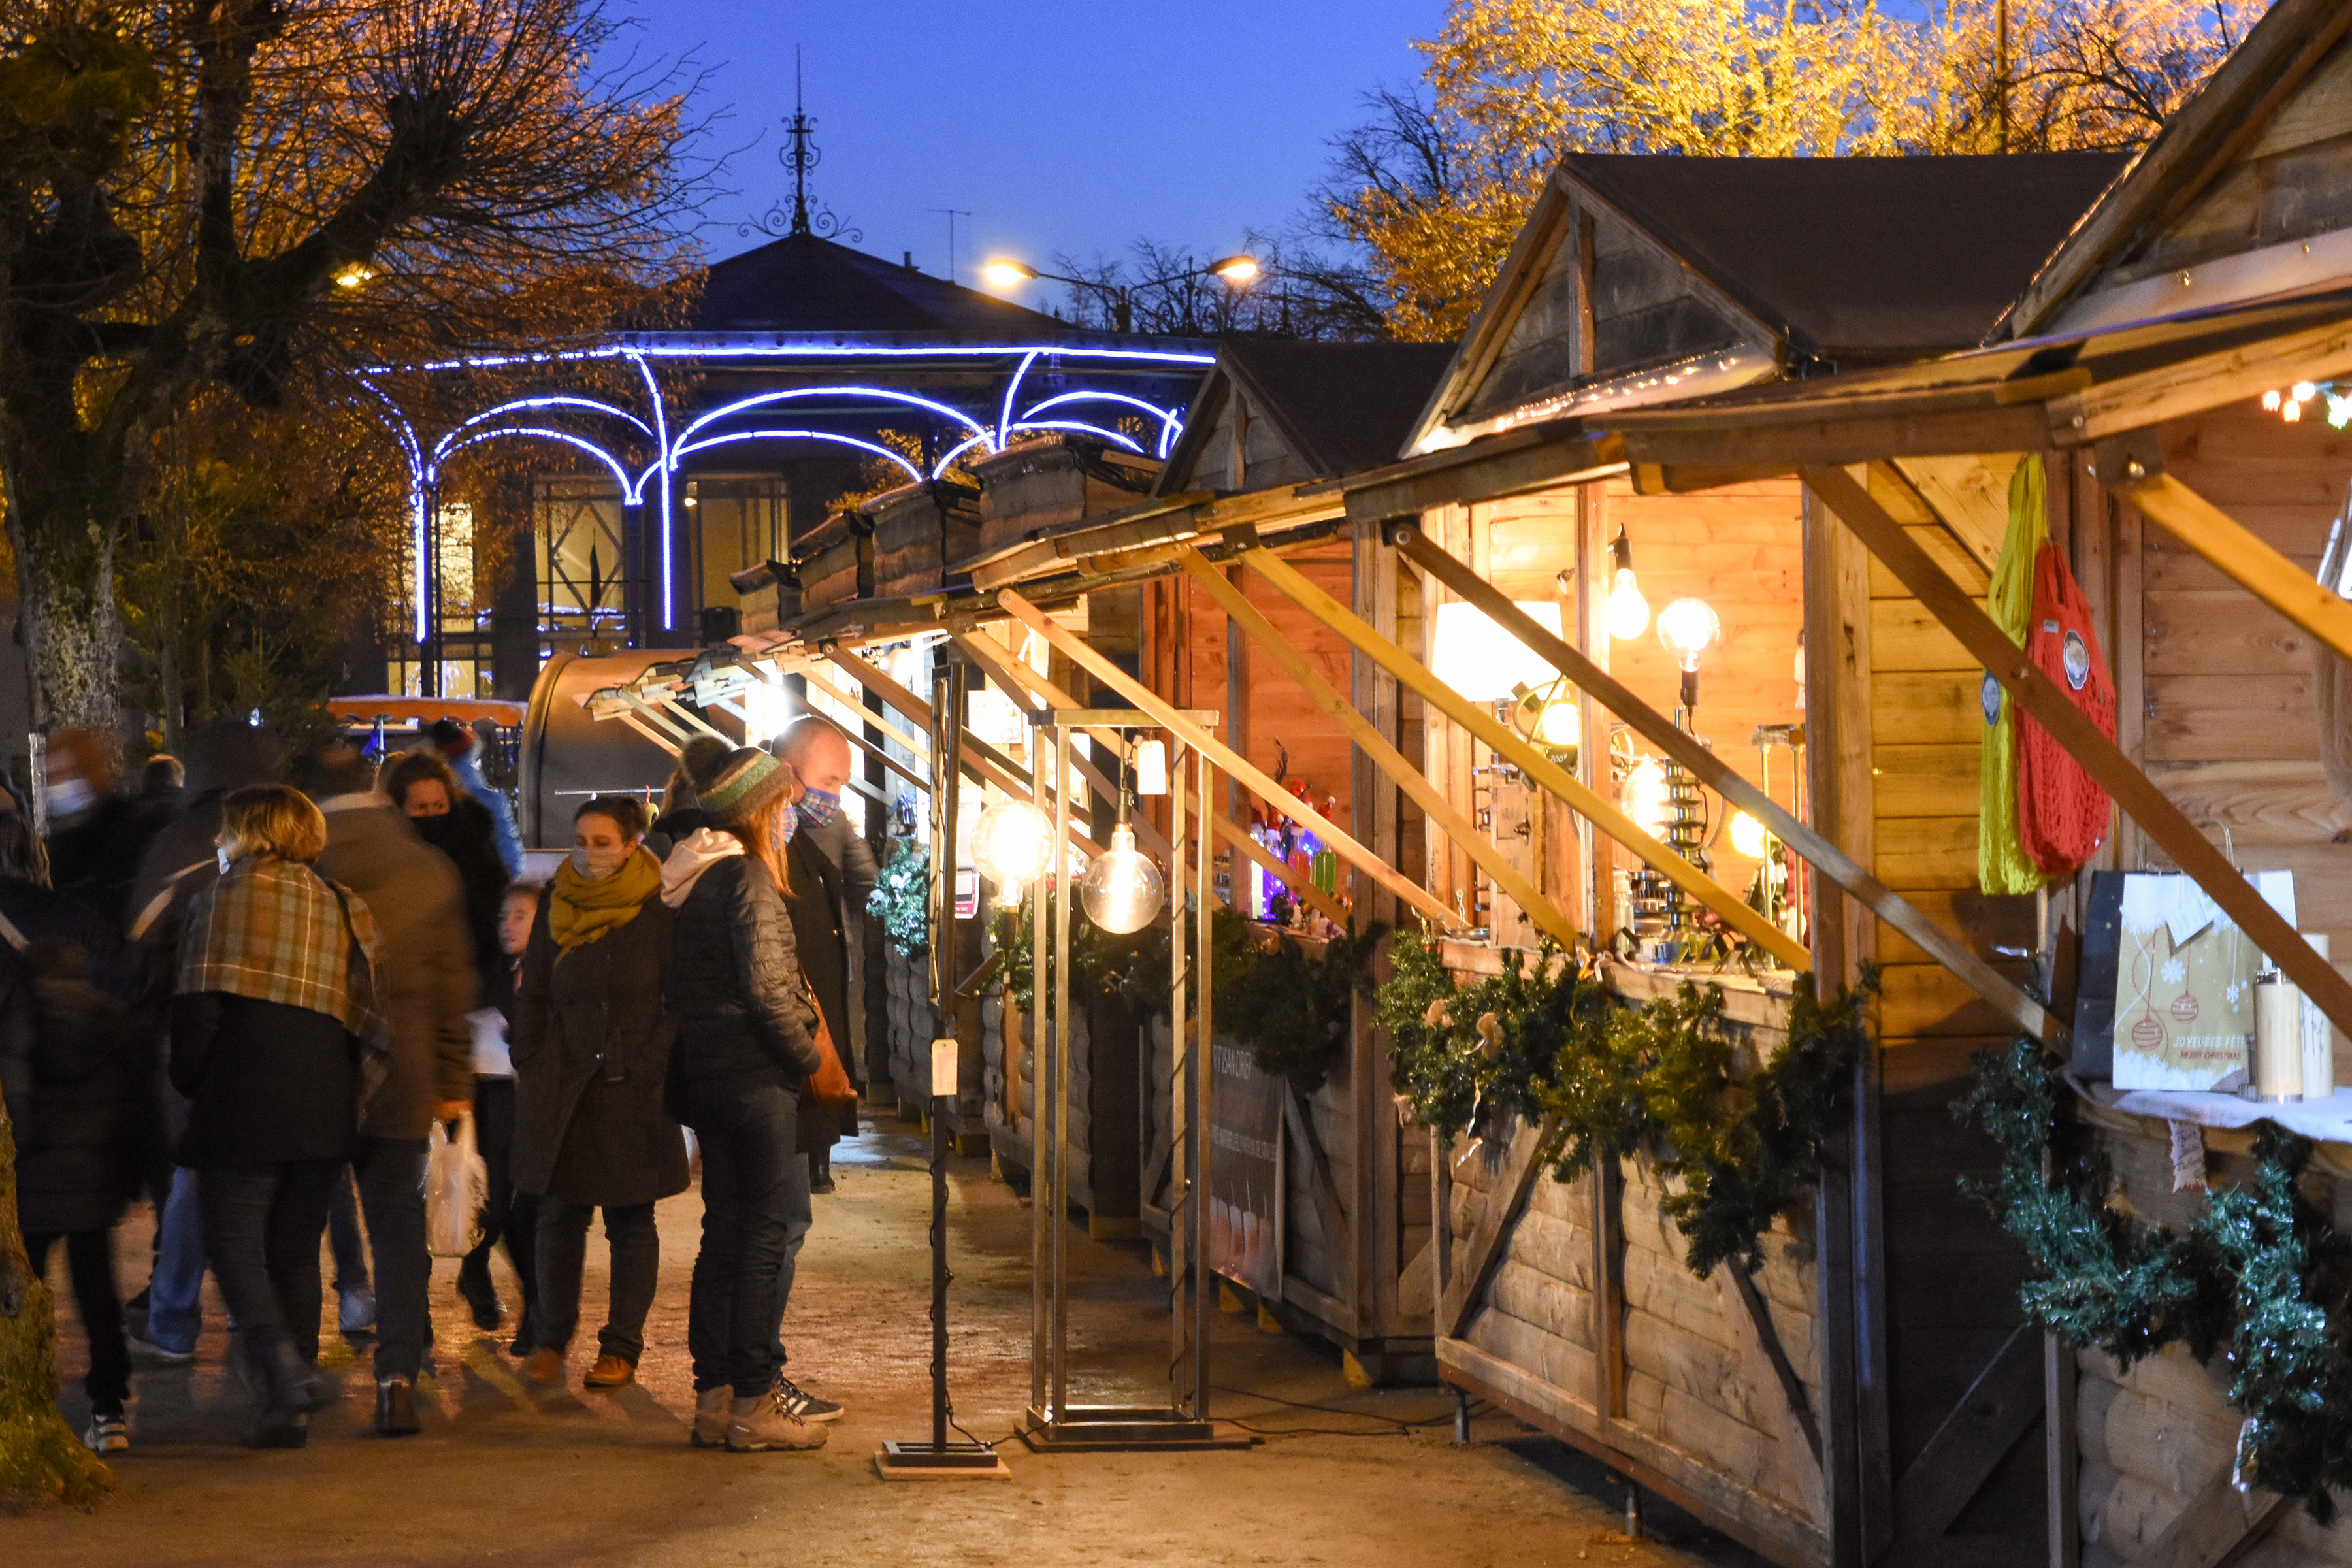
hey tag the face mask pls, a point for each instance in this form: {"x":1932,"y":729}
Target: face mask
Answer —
{"x":818,"y":807}
{"x":788,"y":822}
{"x":71,"y":798}
{"x":598,"y":864}
{"x":221,"y":850}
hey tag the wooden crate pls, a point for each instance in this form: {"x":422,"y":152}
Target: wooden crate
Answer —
{"x":917,"y":530}
{"x":1048,"y":483}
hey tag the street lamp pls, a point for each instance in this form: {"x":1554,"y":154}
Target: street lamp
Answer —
{"x":1238,"y":272}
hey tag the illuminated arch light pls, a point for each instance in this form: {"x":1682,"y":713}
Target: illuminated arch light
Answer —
{"x":550,"y":400}
{"x":760,"y":400}
{"x":631,"y":494}
{"x":1011,"y":388}
{"x":829,"y":350}
{"x":1127,"y":441}
{"x":1168,"y":424}
{"x":956,"y":451}
{"x":661,"y":446}
{"x":684,"y":448}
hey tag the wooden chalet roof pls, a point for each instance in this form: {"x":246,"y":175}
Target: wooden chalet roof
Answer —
{"x":2245,"y":192}
{"x":1314,"y":410}
{"x":1645,"y":279}
{"x":805,"y":284}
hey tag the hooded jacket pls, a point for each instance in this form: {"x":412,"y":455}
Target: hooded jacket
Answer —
{"x":736,"y":993}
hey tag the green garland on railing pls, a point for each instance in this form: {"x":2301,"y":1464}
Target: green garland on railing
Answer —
{"x":2259,"y":1274}
{"x":1545,"y":1038}
{"x":901,"y":900}
{"x":1289,"y":1007}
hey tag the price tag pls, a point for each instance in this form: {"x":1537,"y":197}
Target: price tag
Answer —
{"x":943,"y":1069}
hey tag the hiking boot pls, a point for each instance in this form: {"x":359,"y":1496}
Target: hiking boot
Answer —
{"x":108,"y":1434}
{"x":610,"y":1371}
{"x":395,"y":1409}
{"x":711,"y":1407}
{"x":762,"y":1422}
{"x":799,"y":1401}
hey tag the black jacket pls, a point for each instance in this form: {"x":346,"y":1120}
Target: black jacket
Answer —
{"x":94,"y":859}
{"x":821,"y":934}
{"x":75,"y":1071}
{"x":468,"y":836}
{"x":596,"y":1011}
{"x":269,"y":1082}
{"x":735,"y":980}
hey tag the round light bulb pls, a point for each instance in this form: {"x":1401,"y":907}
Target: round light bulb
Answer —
{"x":1629,"y":613}
{"x":1688,"y":628}
{"x":1557,"y":725}
{"x":1645,"y":796}
{"x":1122,"y":891}
{"x":1751,"y":838}
{"x":2303,"y":391}
{"x":1008,"y":845}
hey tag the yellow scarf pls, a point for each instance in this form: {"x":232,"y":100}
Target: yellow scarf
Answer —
{"x":582,"y":912}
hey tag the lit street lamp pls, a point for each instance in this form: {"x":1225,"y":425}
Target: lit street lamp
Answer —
{"x":1238,"y":272}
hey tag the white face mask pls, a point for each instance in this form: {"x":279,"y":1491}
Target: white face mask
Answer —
{"x":598,"y":864}
{"x":221,"y":850}
{"x":71,"y":798}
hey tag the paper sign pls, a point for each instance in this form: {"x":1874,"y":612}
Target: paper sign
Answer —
{"x":2184,"y":984}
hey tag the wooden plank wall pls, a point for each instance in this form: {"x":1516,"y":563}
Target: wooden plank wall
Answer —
{"x":1947,"y":1297}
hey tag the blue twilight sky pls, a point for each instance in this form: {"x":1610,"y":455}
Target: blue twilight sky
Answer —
{"x":1059,"y":126}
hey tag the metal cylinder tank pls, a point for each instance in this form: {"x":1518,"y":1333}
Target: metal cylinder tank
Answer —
{"x":567,"y":756}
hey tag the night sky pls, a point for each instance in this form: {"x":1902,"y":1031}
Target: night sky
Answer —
{"x":1059,"y":126}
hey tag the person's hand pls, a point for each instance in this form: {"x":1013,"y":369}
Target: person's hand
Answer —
{"x":450,"y":1110}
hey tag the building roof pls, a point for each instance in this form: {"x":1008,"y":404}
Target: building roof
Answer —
{"x":1859,"y":258}
{"x":802,"y":283}
{"x":1338,"y":408}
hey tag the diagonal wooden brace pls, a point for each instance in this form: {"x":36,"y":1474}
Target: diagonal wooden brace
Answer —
{"x":2040,"y":697}
{"x":1415,"y":677}
{"x":1225,"y":757}
{"x":1375,"y":745}
{"x":1720,"y":776}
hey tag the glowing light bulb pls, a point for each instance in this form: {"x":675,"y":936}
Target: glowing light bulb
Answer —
{"x":1645,"y":796}
{"x":1557,"y":725}
{"x":1005,"y":272}
{"x":1629,"y":613}
{"x":1008,"y":845}
{"x":2291,"y":412}
{"x":2303,"y":391}
{"x":1751,"y":838}
{"x":1122,"y":891}
{"x":1688,"y":628}
{"x":1235,"y":269}
{"x":2271,"y":400}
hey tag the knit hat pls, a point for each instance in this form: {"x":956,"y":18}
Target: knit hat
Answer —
{"x":702,"y":758}
{"x":748,"y":779}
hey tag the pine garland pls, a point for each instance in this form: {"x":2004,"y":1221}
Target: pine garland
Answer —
{"x":1545,"y":1038}
{"x":901,"y":900}
{"x":2259,"y":1274}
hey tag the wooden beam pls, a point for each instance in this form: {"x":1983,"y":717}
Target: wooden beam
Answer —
{"x":1224,"y":756}
{"x":2040,"y":696}
{"x":1013,"y":672}
{"x":2241,"y":555}
{"x":2194,"y":385}
{"x":1506,"y":1201}
{"x":1719,"y":775}
{"x":1414,"y":783}
{"x":1967,"y":497}
{"x":1410,"y":672}
{"x":1485,"y":471}
{"x":2216,"y":1528}
{"x":864,"y":715}
{"x":1776,"y":1356}
{"x":1972,"y":1441}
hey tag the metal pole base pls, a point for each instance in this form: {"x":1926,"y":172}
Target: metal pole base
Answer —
{"x":1107,"y":1428}
{"x":947,"y":1462}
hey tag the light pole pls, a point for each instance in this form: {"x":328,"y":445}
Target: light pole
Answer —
{"x":1238,"y":272}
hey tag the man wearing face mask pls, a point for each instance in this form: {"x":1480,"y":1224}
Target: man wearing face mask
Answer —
{"x":832,"y":871}
{"x":94,"y":843}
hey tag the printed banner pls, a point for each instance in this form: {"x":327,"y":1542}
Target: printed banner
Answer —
{"x":1246,"y":1170}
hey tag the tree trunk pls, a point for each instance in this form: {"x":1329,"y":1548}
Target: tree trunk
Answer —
{"x":73,"y":628}
{"x":41,"y":1460}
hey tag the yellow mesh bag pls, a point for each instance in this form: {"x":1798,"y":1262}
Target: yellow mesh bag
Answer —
{"x":2002,"y":865}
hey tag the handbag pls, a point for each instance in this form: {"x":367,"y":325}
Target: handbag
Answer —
{"x":829,"y":1085}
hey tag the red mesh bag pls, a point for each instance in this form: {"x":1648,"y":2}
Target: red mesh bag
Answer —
{"x":2062,"y":815}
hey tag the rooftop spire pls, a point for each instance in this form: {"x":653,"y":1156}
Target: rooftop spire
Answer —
{"x":800,"y":154}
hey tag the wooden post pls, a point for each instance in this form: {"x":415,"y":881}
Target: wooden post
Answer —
{"x":2040,"y":696}
{"x":1412,"y":673}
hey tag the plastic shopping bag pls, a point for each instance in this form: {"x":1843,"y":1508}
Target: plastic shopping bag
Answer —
{"x":456,"y":1186}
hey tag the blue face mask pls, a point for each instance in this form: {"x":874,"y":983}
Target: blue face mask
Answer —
{"x":788,"y":822}
{"x":818,"y":807}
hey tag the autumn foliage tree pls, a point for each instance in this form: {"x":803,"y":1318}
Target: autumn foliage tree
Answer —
{"x":1437,"y":183}
{"x":257,"y":198}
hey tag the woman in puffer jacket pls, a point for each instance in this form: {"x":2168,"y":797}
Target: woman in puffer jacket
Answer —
{"x":746,"y":1048}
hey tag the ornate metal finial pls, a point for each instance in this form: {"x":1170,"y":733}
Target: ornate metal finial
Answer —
{"x":800,"y":155}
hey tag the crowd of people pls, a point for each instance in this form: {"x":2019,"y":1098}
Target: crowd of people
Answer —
{"x":254,"y":1002}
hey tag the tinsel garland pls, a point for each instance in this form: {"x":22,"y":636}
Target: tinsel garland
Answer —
{"x":1545,"y":1038}
{"x":1290,"y":1008}
{"x":901,"y":900}
{"x":2259,"y":1274}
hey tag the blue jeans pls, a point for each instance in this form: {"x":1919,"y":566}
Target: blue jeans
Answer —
{"x":755,"y":1215}
{"x":391,"y":1174}
{"x":175,"y":1310}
